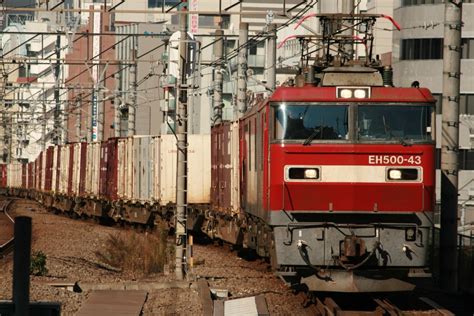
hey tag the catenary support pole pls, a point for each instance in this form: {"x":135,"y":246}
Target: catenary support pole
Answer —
{"x":132,"y":108}
{"x":271,"y":70}
{"x":57,"y":139}
{"x":242,"y":70}
{"x":182,"y":150}
{"x":449,"y":145}
{"x":218,"y":77}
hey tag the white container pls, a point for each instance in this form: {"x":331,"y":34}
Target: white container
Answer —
{"x":93,"y":169}
{"x":142,"y":164}
{"x":76,"y":169}
{"x":199,"y":169}
{"x":14,"y":175}
{"x":64,"y":169}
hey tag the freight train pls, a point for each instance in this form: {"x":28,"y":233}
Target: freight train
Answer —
{"x":326,"y":180}
{"x":331,"y":177}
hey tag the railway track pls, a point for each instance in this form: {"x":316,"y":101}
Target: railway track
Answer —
{"x":381,"y":304}
{"x":323,"y":304}
{"x":7,"y":228}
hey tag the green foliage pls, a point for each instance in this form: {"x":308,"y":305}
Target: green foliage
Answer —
{"x":38,"y":264}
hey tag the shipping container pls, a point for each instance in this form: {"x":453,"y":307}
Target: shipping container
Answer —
{"x":122,"y":169}
{"x":225,"y":168}
{"x":143,"y":167}
{"x":39,"y":172}
{"x":24,"y":175}
{"x":125,"y":169}
{"x":55,"y":178}
{"x":199,"y":169}
{"x":48,"y":169}
{"x":63,"y":164}
{"x":79,"y":169}
{"x":3,"y":173}
{"x":71,"y":172}
{"x":91,"y":185}
{"x":109,"y":169}
{"x":136,"y":168}
{"x":31,"y":175}
{"x":156,"y":170}
{"x":14,"y":172}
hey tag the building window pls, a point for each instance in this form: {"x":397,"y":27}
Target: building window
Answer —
{"x":161,"y":3}
{"x":467,"y":48}
{"x":418,"y":2}
{"x":422,"y":48}
{"x":211,"y":21}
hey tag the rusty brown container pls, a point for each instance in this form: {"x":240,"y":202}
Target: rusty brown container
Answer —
{"x":24,"y":175}
{"x":3,"y":173}
{"x":39,"y":172}
{"x":108,"y":169}
{"x":31,"y":175}
{"x":57,"y":166}
{"x":221,"y":183}
{"x":83,"y":166}
{"x":48,"y":169}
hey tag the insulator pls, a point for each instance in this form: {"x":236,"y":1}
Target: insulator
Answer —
{"x":387,"y":76}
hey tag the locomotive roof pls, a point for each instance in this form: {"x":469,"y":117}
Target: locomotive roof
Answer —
{"x":328,"y":94}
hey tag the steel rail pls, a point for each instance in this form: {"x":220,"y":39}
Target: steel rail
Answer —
{"x":7,"y":247}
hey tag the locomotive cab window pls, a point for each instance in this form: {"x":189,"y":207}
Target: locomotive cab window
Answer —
{"x":310,"y":122}
{"x":394,"y":123}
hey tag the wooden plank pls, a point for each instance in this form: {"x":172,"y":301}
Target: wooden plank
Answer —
{"x":112,"y":303}
{"x":205,"y":295}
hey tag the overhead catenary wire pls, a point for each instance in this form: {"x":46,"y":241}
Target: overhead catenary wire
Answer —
{"x":85,"y":98}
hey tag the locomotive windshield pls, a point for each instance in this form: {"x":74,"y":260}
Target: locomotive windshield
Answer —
{"x":301,"y":122}
{"x":307,"y":123}
{"x":394,"y":122}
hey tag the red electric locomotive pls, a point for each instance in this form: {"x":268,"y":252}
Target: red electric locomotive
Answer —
{"x":344,"y":176}
{"x":337,"y":177}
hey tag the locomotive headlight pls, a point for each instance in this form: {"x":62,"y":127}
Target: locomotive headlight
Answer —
{"x":360,"y":94}
{"x":302,"y":173}
{"x":403,"y":174}
{"x":346,"y":93}
{"x":410,"y":234}
{"x":311,"y":174}
{"x":394,"y":174}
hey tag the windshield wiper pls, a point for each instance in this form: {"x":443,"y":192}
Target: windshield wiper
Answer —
{"x":402,"y":141}
{"x":311,"y":137}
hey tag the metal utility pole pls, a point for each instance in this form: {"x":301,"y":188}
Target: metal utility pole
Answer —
{"x":43,"y":122}
{"x":449,"y":145}
{"x":132,"y":107}
{"x":57,"y":108}
{"x":271,"y":69}
{"x":242,"y":71}
{"x":182,"y":149}
{"x":117,"y":104}
{"x":218,"y":77}
{"x":348,"y":8}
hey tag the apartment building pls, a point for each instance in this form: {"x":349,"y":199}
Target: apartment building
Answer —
{"x":33,"y":93}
